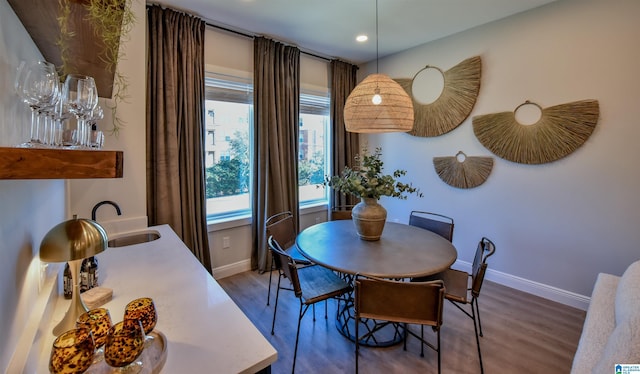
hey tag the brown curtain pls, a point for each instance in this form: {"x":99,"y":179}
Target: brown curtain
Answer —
{"x":175,"y":127}
{"x":345,"y":144}
{"x":276,"y":112}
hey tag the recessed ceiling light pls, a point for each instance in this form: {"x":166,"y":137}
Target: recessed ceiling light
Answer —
{"x":362,"y":38}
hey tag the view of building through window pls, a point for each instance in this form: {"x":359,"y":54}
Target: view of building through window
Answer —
{"x":312,"y":157}
{"x":228,"y":159}
{"x":227,"y":162}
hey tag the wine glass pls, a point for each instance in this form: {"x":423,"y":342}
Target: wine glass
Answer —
{"x":98,"y":321}
{"x":96,"y":114}
{"x":59,"y":115}
{"x":125,"y":342}
{"x":81,"y":95}
{"x":72,"y":352}
{"x":37,"y":85}
{"x":143,"y":309}
{"x":96,"y":137}
{"x":47,"y":130}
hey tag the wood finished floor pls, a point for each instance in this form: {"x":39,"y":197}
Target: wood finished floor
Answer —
{"x":522,"y":334}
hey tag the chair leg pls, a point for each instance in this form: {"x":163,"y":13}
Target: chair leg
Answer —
{"x":357,"y":342}
{"x":439,"y":360}
{"x":275,"y":308}
{"x":295,"y":349}
{"x":270,"y":274}
{"x":421,"y":340}
{"x":475,"y":327}
{"x":404,"y":338}
{"x":478,"y":314}
{"x":326,"y":309}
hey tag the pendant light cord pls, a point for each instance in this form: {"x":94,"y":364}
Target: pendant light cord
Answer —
{"x":377,"y":56}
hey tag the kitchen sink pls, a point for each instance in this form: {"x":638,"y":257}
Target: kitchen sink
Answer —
{"x":133,"y":238}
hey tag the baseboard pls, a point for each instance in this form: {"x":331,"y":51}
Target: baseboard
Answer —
{"x":539,"y":289}
{"x":231,"y":269}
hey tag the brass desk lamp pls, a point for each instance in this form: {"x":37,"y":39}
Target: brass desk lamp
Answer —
{"x":73,"y":241}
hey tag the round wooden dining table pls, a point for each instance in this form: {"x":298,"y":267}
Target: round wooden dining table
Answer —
{"x":402,"y":252}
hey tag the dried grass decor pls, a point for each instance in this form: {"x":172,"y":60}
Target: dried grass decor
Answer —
{"x":462,"y":171}
{"x":560,"y":130}
{"x":453,"y":106}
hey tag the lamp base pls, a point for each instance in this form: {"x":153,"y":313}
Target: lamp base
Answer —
{"x":77,"y":306}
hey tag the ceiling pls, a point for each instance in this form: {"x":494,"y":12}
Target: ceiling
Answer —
{"x":328,"y":27}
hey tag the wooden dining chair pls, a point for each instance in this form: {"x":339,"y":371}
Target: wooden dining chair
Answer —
{"x":434,"y":222}
{"x":310,"y":284}
{"x":282,"y":228}
{"x":341,"y":212}
{"x":406,"y":303}
{"x":463,"y":288}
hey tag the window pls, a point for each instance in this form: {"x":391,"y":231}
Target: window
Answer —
{"x":229,"y":116}
{"x":229,"y":109}
{"x":313,"y":158}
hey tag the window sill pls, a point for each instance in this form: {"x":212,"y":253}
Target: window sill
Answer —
{"x":228,"y":223}
{"x":245,"y":220}
{"x":314,"y":207}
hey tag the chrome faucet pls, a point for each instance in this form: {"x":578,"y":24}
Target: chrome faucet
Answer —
{"x":98,"y":205}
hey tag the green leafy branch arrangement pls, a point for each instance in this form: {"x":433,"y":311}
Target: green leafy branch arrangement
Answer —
{"x":367,"y":180}
{"x":112,"y":22}
{"x":103,"y":14}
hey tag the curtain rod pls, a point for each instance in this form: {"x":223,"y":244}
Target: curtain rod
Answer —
{"x":208,"y":23}
{"x":253,"y":36}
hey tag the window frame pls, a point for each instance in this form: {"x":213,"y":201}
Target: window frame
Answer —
{"x":235,"y":90}
{"x":317,"y":103}
{"x":311,"y":102}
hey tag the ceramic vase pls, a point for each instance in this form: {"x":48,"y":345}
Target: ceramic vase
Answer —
{"x":369,"y":218}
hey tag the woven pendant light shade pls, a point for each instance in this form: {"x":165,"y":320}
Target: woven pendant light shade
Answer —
{"x":393,"y":114}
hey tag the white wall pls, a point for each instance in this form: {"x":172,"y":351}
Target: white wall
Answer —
{"x":28,"y":209}
{"x":128,"y":192}
{"x":558,"y":224}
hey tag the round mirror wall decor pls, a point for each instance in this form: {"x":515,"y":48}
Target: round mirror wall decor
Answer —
{"x":461,"y":85}
{"x":463,"y":171}
{"x":559,"y":131}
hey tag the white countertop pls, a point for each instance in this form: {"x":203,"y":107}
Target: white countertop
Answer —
{"x":205,"y":329}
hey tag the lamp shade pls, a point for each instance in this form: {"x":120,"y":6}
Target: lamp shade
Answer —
{"x":74,"y":239}
{"x":394,"y":113}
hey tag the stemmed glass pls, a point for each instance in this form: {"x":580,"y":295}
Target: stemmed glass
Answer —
{"x":144,"y":310}
{"x":72,"y":352}
{"x":47,"y":129}
{"x":81,"y":95}
{"x":98,"y":321}
{"x":125,"y":343}
{"x":37,"y":85}
{"x":59,"y":114}
{"x":96,"y":137}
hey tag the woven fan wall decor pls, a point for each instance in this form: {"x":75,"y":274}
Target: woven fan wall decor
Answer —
{"x":462,"y":171}
{"x":560,"y":130}
{"x":453,"y":106}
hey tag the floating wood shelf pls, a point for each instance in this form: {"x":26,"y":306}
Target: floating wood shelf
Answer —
{"x":42,"y":163}
{"x":40,"y":19}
